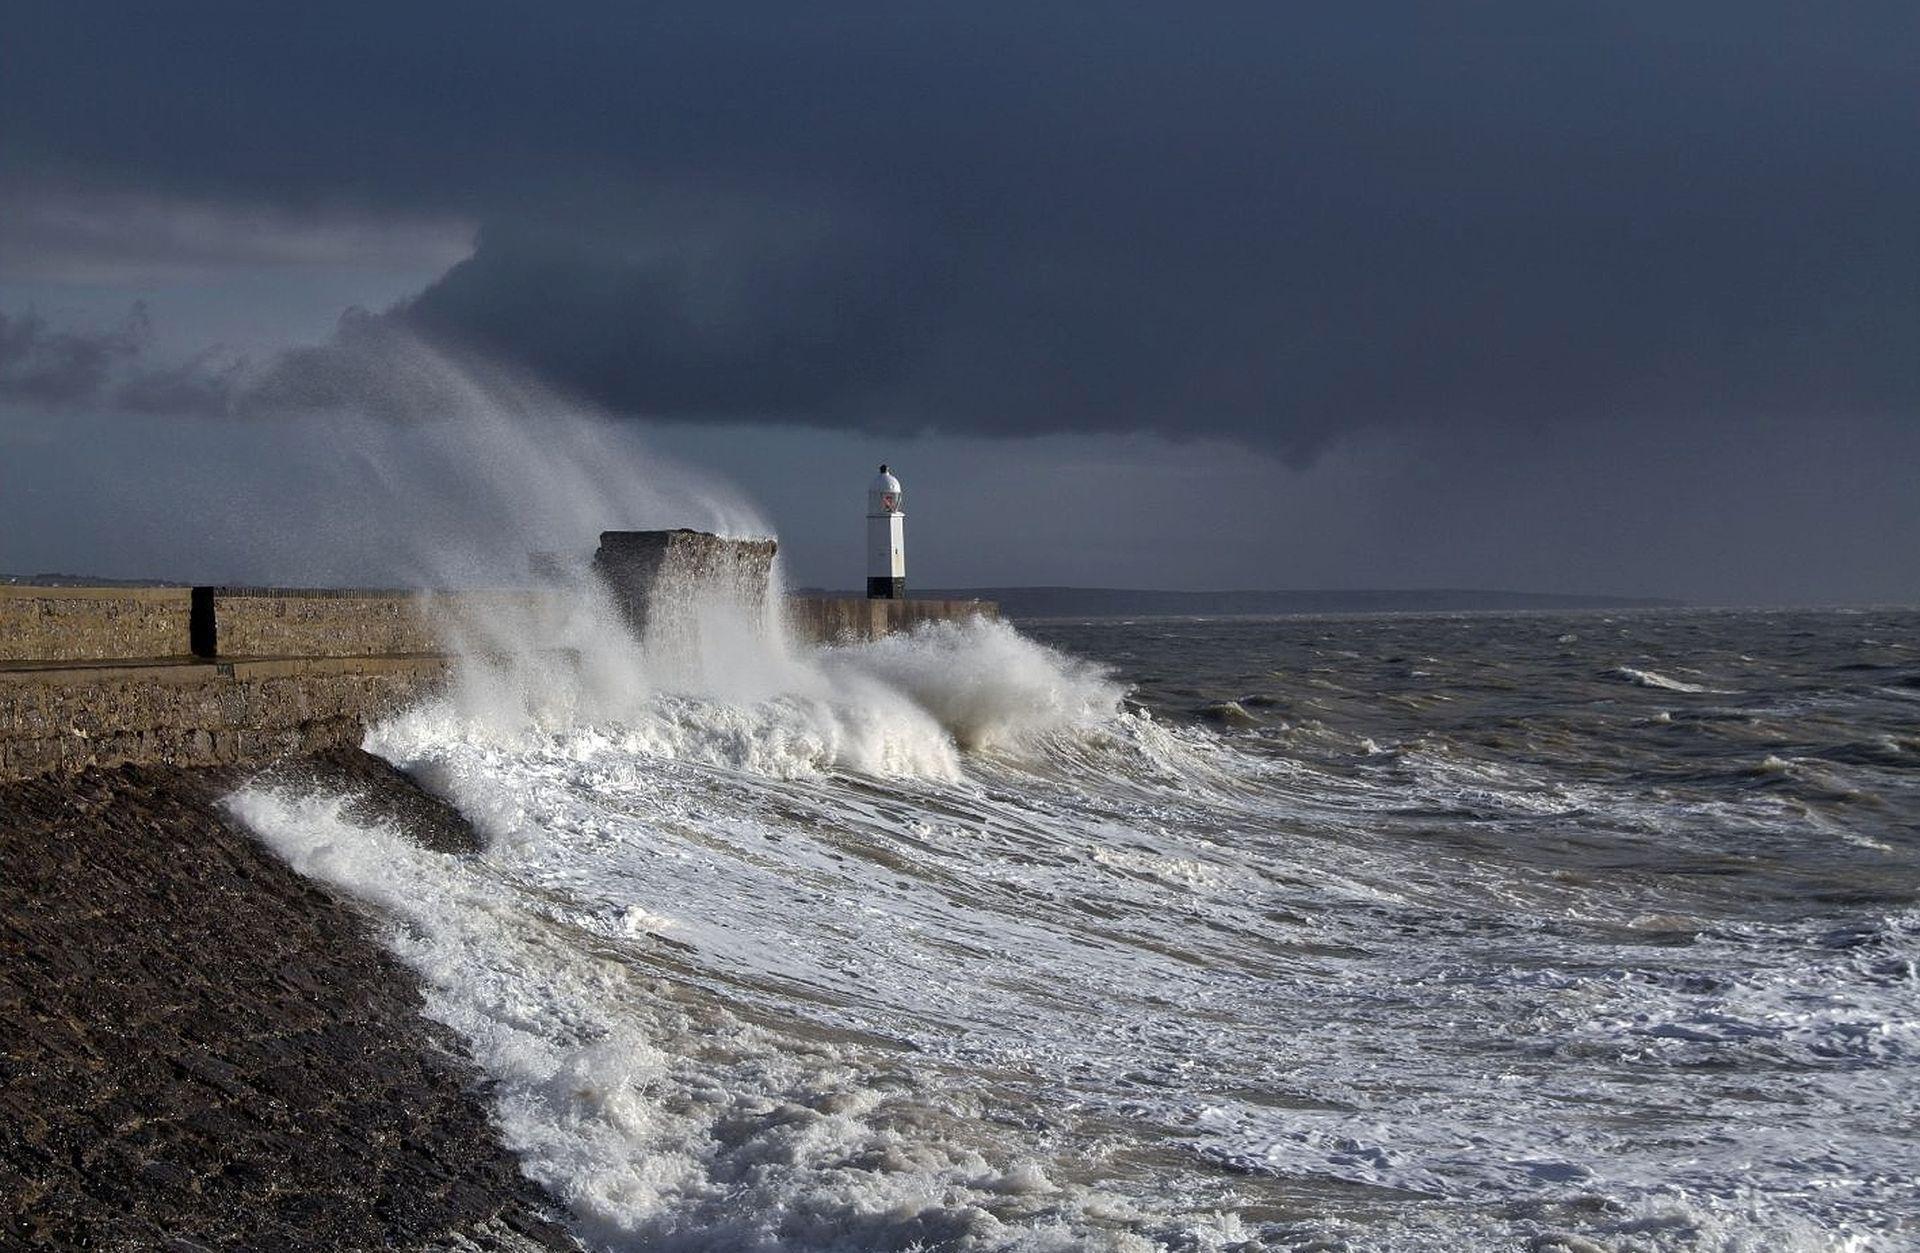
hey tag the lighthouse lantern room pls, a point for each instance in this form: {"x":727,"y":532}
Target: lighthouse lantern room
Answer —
{"x":886,"y":538}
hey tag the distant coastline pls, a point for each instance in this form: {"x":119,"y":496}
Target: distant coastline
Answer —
{"x":1108,"y":602}
{"x":80,"y":580}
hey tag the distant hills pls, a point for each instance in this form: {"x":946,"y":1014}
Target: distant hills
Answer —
{"x":79,"y":580}
{"x":1108,"y":602}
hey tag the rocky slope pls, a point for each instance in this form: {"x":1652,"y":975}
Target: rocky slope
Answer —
{"x":199,"y":1050}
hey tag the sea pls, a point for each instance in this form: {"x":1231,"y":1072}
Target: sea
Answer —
{"x":1549,"y":932}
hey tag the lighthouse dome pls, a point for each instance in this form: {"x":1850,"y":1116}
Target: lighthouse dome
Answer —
{"x":884,"y":495}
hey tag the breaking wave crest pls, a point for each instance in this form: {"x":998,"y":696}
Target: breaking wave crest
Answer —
{"x":1654,"y":679}
{"x":988,"y":686}
{"x":743,"y":698}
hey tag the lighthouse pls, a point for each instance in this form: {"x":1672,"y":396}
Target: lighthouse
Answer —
{"x":886,"y":538}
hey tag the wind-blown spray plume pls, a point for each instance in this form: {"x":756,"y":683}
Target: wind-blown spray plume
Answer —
{"x":412,"y":467}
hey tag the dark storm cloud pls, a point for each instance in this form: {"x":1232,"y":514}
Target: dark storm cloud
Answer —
{"x":1266,"y":222}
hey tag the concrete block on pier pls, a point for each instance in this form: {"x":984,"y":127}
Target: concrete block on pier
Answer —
{"x":649,"y":570}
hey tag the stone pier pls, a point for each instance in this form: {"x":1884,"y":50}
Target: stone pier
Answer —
{"x":93,"y":677}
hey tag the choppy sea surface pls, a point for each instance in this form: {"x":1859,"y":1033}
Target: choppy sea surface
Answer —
{"x":1552,"y":932}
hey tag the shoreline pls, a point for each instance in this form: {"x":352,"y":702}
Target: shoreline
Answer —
{"x":201,"y":1050}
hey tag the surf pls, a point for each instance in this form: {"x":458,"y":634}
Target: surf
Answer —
{"x":957,"y":940}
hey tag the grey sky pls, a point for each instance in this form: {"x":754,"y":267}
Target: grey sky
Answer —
{"x":1568,"y":297}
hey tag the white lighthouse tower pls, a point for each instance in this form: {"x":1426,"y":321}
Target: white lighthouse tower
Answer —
{"x":886,"y":538}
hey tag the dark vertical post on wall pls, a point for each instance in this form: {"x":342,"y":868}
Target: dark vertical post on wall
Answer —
{"x":203,"y":637}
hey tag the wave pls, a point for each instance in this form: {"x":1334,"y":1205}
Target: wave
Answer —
{"x":722,"y":1012}
{"x":943,"y":941}
{"x":988,"y":686}
{"x":672,"y":1124}
{"x":729,"y":690}
{"x":1654,"y":679}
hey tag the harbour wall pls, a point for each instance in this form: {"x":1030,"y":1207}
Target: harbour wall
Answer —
{"x":56,"y":624}
{"x":221,"y":676}
{"x":177,"y":713}
{"x":839,"y":619}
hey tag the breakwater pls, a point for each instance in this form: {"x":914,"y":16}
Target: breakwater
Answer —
{"x":221,"y":676}
{"x":200,"y":1050}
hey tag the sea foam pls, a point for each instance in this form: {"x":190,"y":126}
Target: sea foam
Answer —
{"x":941,"y":941}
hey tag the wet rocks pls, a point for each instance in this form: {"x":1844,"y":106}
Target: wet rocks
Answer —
{"x":379,"y":794}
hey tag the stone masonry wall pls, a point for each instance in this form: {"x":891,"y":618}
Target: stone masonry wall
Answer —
{"x":92,"y":623}
{"x":93,"y":677}
{"x":278,"y":622}
{"x":850,"y":619}
{"x":195,"y":714}
{"x":323,"y":622}
{"x":72,"y":624}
